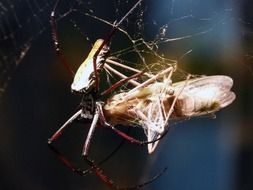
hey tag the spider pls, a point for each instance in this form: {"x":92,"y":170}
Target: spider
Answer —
{"x":86,"y":83}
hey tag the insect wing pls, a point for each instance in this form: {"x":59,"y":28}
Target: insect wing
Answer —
{"x":203,"y":95}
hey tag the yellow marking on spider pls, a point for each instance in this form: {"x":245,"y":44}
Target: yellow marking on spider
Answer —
{"x":83,"y":79}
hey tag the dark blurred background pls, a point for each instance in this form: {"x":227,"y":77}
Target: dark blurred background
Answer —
{"x":35,"y":97}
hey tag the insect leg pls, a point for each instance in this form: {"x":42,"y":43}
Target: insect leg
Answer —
{"x":56,"y":40}
{"x":149,"y":81}
{"x":121,"y":75}
{"x":175,"y":100}
{"x":59,"y":132}
{"x":110,"y":61}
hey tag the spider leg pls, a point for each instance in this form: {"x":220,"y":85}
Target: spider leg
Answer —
{"x":107,"y":39}
{"x":136,"y":141}
{"x":93,"y":166}
{"x":125,"y":135}
{"x":166,"y":73}
{"x":120,"y":75}
{"x":149,"y":81}
{"x":91,"y":131}
{"x":66,"y":162}
{"x":98,"y":171}
{"x":56,"y":41}
{"x":110,"y":61}
{"x":60,"y":131}
{"x":121,"y":82}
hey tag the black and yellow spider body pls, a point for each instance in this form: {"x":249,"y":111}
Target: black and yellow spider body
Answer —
{"x":84,"y":79}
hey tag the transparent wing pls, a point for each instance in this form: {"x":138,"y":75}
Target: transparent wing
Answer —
{"x":204,"y":95}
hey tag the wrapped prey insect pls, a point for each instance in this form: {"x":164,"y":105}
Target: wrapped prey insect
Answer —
{"x":156,"y":101}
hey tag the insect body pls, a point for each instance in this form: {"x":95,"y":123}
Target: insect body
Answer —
{"x":152,"y":106}
{"x":203,"y":95}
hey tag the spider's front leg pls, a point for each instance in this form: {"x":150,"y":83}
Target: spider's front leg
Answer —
{"x":60,"y":131}
{"x":55,"y":38}
{"x":93,"y":166}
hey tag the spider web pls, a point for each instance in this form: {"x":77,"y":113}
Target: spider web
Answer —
{"x":199,"y":36}
{"x":16,"y":35}
{"x":150,"y":33}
